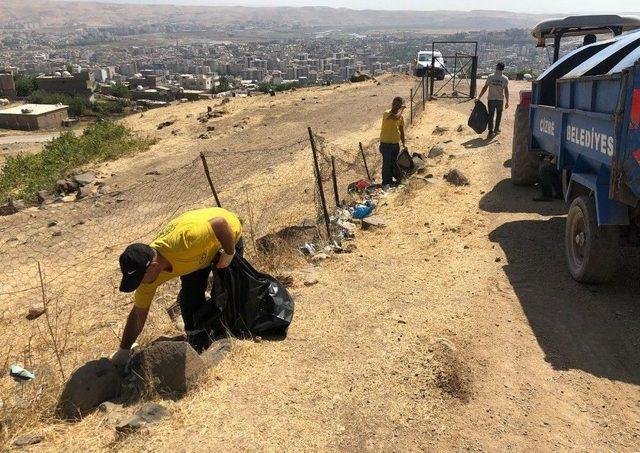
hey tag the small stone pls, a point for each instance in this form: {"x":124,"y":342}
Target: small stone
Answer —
{"x":319,"y":257}
{"x":311,"y":282}
{"x":35,"y":312}
{"x":104,"y":189}
{"x":211,"y":128}
{"x":498,"y":259}
{"x":66,"y":186}
{"x":17,"y":205}
{"x":56,"y":234}
{"x":204,"y":136}
{"x":84,"y":192}
{"x":68,"y":198}
{"x":435,"y":151}
{"x":373,"y":222}
{"x":460,"y":128}
{"x":52,"y":223}
{"x":152,"y":173}
{"x":108,"y":407}
{"x":84,"y":178}
{"x":455,"y":177}
{"x":23,"y":441}
{"x":149,"y":414}
{"x":44,"y":197}
{"x":429,"y":176}
{"x":439,"y":130}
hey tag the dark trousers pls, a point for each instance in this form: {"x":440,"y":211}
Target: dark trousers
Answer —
{"x":201,"y":317}
{"x":390,"y":152}
{"x":495,"y":108}
{"x":550,"y":180}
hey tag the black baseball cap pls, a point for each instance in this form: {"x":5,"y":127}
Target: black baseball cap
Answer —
{"x":134,"y":262}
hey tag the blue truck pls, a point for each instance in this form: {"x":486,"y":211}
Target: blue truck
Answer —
{"x":583,"y":114}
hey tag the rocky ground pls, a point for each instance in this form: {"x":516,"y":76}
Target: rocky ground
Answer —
{"x":456,"y":326}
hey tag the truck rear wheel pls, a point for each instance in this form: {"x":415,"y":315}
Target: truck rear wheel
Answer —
{"x":524,"y":164}
{"x":591,"y":251}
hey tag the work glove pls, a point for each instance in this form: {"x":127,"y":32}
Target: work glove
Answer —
{"x":121,"y":357}
{"x":224,"y":260}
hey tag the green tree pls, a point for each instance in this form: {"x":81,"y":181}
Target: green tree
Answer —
{"x":224,"y":85}
{"x":120,"y":91}
{"x":25,"y":85}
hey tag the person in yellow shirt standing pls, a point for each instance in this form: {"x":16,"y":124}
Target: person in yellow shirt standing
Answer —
{"x":391,"y":135}
{"x":186,"y":247}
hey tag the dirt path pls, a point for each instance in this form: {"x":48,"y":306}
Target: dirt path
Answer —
{"x":456,"y":327}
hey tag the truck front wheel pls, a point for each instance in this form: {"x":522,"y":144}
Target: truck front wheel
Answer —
{"x":524,"y":164}
{"x":591,"y":251}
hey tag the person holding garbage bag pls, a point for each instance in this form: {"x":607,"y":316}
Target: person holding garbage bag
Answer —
{"x":187,"y":247}
{"x":391,"y":135}
{"x":498,"y":97}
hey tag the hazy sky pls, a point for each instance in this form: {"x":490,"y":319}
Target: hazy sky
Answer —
{"x":532,"y":6}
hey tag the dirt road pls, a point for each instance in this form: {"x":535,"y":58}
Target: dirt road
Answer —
{"x":455,"y":327}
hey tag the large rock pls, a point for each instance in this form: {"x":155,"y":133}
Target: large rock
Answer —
{"x":170,"y":368}
{"x":89,"y":386}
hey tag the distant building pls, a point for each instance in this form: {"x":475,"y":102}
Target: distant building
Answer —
{"x":199,"y":82}
{"x":82,"y":83}
{"x":7,"y":86}
{"x":31,"y":117}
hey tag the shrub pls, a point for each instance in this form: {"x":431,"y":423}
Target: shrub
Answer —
{"x":25,"y":85}
{"x":119,"y":91}
{"x":77,"y":104}
{"x":25,"y":174}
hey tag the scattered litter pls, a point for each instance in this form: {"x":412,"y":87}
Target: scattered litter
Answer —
{"x":361,"y":211}
{"x":308,"y":249}
{"x":19,"y":374}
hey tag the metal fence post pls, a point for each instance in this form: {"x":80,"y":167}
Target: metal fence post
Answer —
{"x":411,"y":106}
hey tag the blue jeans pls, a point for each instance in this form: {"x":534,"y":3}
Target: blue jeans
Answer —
{"x":390,"y":152}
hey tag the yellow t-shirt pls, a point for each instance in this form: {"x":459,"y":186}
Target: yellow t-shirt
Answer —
{"x":189,"y":244}
{"x":390,"y":131}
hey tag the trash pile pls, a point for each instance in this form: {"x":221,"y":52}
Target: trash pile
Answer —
{"x":364,"y":198}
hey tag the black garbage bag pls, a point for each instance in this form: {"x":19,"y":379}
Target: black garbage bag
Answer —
{"x":404,"y":163}
{"x":479,"y":118}
{"x":250,"y":302}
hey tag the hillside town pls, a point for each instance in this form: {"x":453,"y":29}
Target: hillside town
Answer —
{"x":87,"y":59}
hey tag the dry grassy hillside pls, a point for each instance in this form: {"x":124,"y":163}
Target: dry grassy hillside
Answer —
{"x":455,"y":327}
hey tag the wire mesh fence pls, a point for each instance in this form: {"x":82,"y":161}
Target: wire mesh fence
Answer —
{"x":77,"y":244}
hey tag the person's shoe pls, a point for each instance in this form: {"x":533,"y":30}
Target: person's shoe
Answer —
{"x":490,"y":135}
{"x":496,"y":132}
{"x":541,"y":198}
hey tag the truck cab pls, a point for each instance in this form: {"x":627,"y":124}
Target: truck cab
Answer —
{"x":430,"y":62}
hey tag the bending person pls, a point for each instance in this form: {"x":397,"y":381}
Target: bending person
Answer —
{"x":186,"y":247}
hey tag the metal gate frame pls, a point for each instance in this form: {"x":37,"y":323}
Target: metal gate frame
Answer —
{"x":471,"y":62}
